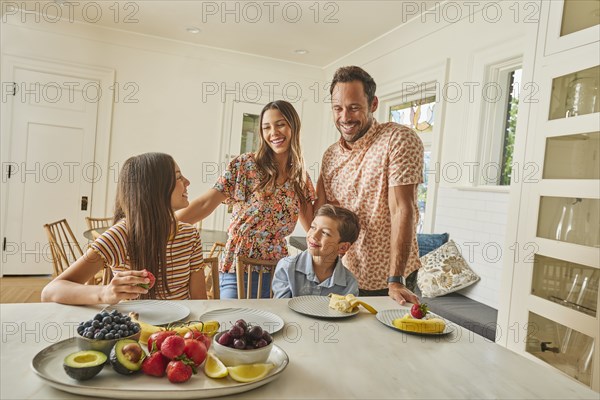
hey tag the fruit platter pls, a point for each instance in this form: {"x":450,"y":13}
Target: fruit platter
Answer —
{"x":121,"y":356}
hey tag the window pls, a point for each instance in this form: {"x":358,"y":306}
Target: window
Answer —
{"x":499,"y":122}
{"x":510,"y":126}
{"x":419,"y":115}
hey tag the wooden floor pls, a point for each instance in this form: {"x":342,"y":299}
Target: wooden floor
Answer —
{"x":22,"y":289}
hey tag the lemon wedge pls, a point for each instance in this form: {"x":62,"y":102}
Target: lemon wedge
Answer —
{"x":214,"y":368}
{"x":249,"y":372}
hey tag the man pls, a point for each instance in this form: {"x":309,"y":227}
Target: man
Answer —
{"x":374,"y":170}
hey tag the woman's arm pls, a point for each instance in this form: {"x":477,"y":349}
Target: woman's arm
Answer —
{"x":201,"y":207}
{"x":306,"y":215}
{"x":198,"y":285}
{"x":70,"y":288}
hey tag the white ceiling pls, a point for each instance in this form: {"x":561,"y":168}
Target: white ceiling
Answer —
{"x":329,"y":30}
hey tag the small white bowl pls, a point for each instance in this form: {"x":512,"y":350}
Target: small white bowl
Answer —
{"x":232,"y":357}
{"x":103,"y":345}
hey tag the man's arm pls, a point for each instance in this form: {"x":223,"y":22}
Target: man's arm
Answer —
{"x":401,"y":203}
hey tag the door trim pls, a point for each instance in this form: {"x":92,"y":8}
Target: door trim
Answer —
{"x":105,"y":78}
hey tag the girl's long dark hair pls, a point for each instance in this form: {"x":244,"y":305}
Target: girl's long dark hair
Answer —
{"x":146,"y":183}
{"x":265,"y":157}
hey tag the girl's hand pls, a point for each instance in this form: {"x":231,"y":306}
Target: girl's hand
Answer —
{"x":124,"y":286}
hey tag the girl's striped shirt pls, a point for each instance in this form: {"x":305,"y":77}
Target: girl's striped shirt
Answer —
{"x":184,"y":256}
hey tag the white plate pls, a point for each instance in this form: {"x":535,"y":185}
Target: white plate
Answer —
{"x":227,"y":316}
{"x":317,"y":306}
{"x":387,"y":316}
{"x":154,"y":312}
{"x":47,"y":364}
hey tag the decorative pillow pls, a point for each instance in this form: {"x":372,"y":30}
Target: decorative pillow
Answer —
{"x":428,"y":242}
{"x":444,"y":271}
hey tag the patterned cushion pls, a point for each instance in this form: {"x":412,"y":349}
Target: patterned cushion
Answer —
{"x":444,"y":271}
{"x":428,"y":242}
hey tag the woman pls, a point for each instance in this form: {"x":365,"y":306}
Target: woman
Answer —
{"x":269,"y":192}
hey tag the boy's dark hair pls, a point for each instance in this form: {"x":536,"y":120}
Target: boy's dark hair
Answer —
{"x":353,"y":73}
{"x":348,"y":224}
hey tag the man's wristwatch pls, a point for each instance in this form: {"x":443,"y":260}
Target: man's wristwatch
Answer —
{"x":397,"y":279}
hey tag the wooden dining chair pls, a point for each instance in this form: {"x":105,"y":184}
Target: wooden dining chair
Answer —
{"x":211,"y":273}
{"x":95,"y":223}
{"x":246,"y":265}
{"x":65,"y":250}
{"x":216,"y":249}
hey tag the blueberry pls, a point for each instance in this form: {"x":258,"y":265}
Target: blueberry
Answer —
{"x":135,"y":328}
{"x":98,"y":317}
{"x":109,"y":336}
{"x":89,"y":335}
{"x":95,"y":323}
{"x":87,"y":324}
{"x":106,"y":320}
{"x":80,"y":329}
{"x":99,"y":335}
{"x":117,"y":336}
{"x":126,"y":333}
{"x":122,"y":327}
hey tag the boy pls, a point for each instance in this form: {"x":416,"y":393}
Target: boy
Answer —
{"x":319,"y":270}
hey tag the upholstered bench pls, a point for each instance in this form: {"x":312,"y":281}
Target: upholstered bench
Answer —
{"x":468,"y":313}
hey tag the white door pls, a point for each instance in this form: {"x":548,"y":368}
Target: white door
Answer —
{"x":51,"y":157}
{"x":243,"y":138}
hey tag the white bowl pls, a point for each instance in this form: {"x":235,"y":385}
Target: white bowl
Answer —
{"x":232,"y":357}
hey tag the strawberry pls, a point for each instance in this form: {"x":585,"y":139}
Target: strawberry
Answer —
{"x":173,"y":346}
{"x":157,"y":338}
{"x":196,"y":334}
{"x":155,"y":364}
{"x":418,"y":311}
{"x":178,"y":371}
{"x":150,"y":284}
{"x":195,"y":350}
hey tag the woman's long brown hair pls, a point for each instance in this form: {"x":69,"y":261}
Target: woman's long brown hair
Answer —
{"x":146,"y":183}
{"x":265,"y":157}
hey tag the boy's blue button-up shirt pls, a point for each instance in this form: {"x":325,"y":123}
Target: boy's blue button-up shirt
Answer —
{"x":295,"y":276}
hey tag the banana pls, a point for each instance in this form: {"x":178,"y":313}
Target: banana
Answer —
{"x":431,"y":325}
{"x":208,"y":327}
{"x":348,"y":303}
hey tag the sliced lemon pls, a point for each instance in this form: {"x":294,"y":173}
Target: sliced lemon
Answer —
{"x":250,"y":372}
{"x":214,"y":368}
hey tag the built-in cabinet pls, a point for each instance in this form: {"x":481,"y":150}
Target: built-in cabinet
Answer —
{"x":553,"y":315}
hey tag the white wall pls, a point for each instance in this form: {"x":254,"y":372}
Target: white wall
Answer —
{"x":171,"y":114}
{"x":468,"y":216}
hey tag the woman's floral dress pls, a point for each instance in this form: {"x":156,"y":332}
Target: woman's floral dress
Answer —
{"x":259,"y":223}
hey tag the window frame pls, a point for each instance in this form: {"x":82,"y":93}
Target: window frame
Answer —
{"x":493,"y":121}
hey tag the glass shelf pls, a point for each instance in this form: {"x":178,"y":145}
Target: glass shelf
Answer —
{"x":564,"y":348}
{"x":571,"y":220}
{"x":573,"y":157}
{"x":571,"y":285}
{"x":579,"y":15}
{"x":575,"y":94}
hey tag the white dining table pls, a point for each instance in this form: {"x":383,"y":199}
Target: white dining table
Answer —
{"x":350,"y":358}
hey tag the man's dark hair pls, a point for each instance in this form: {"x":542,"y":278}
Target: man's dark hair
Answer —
{"x":354,"y":73}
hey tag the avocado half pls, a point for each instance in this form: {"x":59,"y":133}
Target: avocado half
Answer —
{"x":84,"y":365}
{"x":126,"y":356}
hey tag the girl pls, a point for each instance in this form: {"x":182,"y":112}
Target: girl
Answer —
{"x":146,"y":235}
{"x":268,"y":190}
